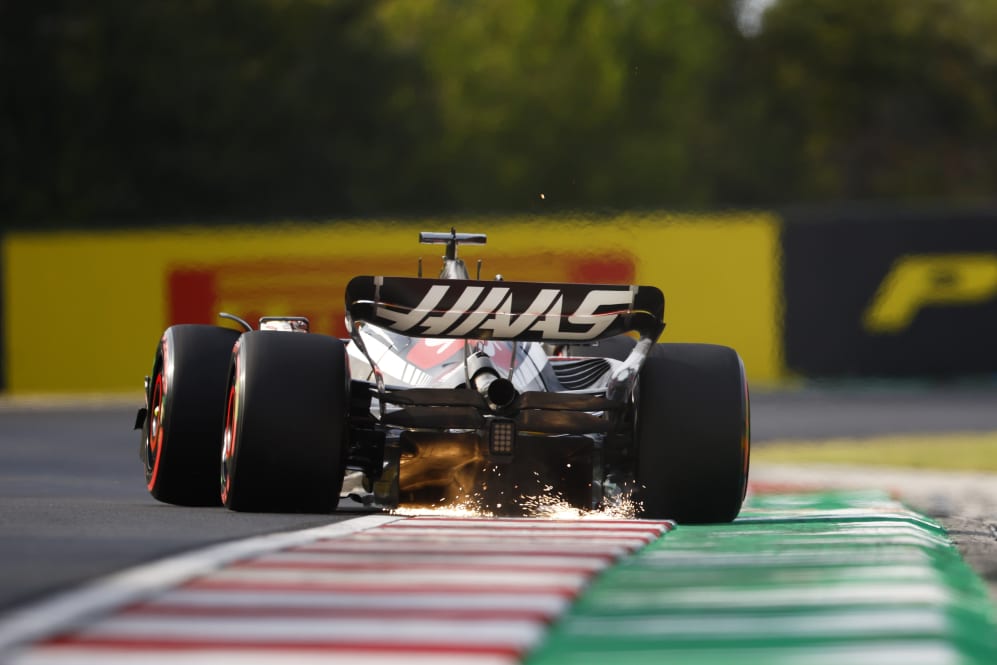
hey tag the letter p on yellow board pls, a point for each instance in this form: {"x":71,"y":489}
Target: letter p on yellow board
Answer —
{"x":923,"y":280}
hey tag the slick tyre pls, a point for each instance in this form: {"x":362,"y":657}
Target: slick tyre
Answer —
{"x":692,"y":433}
{"x":286,"y":423}
{"x":182,"y":430}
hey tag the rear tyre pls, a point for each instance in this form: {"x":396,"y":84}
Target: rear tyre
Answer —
{"x":182,"y":431}
{"x":693,"y":433}
{"x":286,"y":423}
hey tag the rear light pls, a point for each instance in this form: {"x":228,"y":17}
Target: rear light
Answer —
{"x":501,"y":436}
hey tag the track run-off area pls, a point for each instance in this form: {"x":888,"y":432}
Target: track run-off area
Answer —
{"x":812,"y":577}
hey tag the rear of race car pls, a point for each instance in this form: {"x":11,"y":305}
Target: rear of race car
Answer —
{"x":462,"y":379}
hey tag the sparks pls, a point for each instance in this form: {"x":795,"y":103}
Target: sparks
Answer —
{"x":549,"y":506}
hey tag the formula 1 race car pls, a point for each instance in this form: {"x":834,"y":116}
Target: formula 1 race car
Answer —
{"x":451,"y":391}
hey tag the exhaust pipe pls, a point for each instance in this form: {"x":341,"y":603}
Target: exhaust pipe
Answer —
{"x":499,"y":392}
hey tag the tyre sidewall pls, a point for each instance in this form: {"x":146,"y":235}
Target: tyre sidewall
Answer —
{"x":692,"y":433}
{"x":290,"y":426}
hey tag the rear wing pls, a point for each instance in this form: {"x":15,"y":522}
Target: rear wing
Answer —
{"x":527,"y":311}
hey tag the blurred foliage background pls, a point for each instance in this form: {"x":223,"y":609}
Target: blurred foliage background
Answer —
{"x":116,"y":112}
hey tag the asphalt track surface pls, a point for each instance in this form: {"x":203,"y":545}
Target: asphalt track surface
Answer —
{"x":73,"y":504}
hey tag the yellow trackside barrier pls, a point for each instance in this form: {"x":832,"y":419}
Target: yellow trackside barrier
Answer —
{"x":84,"y":310}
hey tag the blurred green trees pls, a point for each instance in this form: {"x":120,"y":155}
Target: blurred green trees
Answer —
{"x":115,"y":111}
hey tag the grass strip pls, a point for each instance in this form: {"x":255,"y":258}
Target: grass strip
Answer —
{"x":972,"y":451}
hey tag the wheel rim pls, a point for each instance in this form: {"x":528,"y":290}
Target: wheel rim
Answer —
{"x":228,"y":441}
{"x":154,"y":441}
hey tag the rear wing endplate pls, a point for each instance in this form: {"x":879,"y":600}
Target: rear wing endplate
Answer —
{"x":527,"y":311}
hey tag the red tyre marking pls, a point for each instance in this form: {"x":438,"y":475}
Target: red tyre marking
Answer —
{"x":157,"y":408}
{"x":231,"y":421}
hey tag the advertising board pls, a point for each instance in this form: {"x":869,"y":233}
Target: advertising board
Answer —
{"x":911,"y":295}
{"x":84,"y":310}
